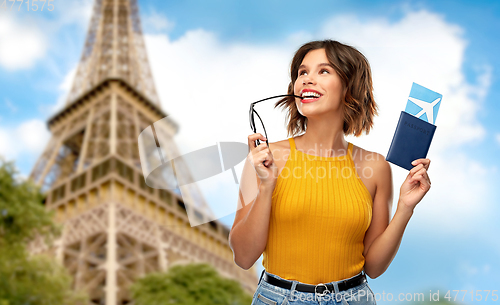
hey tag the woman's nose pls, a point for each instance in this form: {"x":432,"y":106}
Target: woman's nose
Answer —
{"x":307,"y":80}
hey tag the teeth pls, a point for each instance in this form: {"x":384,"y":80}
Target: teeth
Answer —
{"x":310,"y":94}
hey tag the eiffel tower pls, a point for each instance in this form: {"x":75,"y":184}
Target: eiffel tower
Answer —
{"x":115,"y":227}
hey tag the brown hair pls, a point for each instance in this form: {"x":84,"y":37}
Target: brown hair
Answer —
{"x":354,"y":70}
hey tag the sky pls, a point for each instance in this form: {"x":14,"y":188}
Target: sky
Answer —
{"x":211,"y":59}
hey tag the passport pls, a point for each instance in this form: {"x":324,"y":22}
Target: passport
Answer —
{"x":415,"y":128}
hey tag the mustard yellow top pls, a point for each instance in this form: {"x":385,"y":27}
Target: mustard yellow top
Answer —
{"x":320,"y":212}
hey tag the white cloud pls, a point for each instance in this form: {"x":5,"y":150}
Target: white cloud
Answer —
{"x":467,"y":269}
{"x":21,"y":43}
{"x":207,"y":87}
{"x":472,"y":273}
{"x":459,"y":192}
{"x":4,"y":144}
{"x":74,"y":12}
{"x":33,"y":135}
{"x":154,"y":22}
{"x":64,"y":89}
{"x":28,"y":139}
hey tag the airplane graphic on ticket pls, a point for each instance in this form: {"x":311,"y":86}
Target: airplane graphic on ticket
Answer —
{"x":423,"y":103}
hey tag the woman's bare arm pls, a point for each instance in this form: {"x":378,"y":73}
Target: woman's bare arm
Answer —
{"x":382,"y":240}
{"x":248,"y":236}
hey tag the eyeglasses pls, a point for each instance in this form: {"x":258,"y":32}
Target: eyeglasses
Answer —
{"x":252,"y":111}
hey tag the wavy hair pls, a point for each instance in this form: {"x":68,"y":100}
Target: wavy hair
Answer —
{"x":354,"y":70}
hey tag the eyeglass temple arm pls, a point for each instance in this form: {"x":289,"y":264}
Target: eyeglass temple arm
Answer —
{"x":282,"y":95}
{"x":265,"y":132}
{"x":252,"y":123}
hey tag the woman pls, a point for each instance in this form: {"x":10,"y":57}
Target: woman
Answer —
{"x":319,"y":207}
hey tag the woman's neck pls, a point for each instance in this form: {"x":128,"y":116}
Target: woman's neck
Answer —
{"x":322,"y":139}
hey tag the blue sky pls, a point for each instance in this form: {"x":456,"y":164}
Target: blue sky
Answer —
{"x":244,"y":47}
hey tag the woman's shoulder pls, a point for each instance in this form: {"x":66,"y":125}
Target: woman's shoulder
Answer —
{"x":280,"y":147}
{"x":363,"y":158}
{"x":364,"y":155}
{"x":282,"y":144}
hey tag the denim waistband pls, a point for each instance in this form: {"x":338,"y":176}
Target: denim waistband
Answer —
{"x":294,"y":282}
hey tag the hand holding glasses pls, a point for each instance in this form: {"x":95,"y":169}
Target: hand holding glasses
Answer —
{"x":252,"y":111}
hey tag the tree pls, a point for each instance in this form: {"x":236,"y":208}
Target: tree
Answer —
{"x":192,"y":284}
{"x":22,"y":215}
{"x":24,"y":278}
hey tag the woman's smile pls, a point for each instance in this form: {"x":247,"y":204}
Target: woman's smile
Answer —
{"x":310,"y":95}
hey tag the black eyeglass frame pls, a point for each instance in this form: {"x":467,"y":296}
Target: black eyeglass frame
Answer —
{"x":252,"y":111}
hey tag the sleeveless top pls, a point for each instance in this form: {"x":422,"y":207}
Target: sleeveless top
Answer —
{"x":320,"y":212}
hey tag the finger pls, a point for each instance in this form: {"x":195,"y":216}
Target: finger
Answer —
{"x":267,"y":161}
{"x":421,"y":171}
{"x":426,"y":176}
{"x":267,"y":153}
{"x":258,"y":154}
{"x":416,"y":169}
{"x":263,"y":153}
{"x":424,"y":183}
{"x":256,"y":136}
{"x":425,"y":162}
{"x":253,"y":137}
{"x":415,"y":178}
{"x":421,"y":176}
{"x":264,"y":157}
{"x":262,"y":146}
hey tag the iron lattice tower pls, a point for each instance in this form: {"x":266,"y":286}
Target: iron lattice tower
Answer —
{"x":116,"y":228}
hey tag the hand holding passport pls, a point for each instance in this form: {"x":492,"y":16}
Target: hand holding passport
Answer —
{"x":415,"y":128}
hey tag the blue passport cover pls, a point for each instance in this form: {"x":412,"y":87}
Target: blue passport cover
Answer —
{"x":411,"y":140}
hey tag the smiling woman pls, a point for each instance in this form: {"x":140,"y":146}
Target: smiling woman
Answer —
{"x":347,"y":67}
{"x":321,"y":234}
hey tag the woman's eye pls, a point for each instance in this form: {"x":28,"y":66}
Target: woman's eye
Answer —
{"x":323,"y":71}
{"x":303,"y":72}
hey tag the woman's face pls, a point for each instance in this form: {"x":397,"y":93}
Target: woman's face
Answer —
{"x":320,"y":84}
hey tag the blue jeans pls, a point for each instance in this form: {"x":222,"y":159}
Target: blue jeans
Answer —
{"x":267,"y":294}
